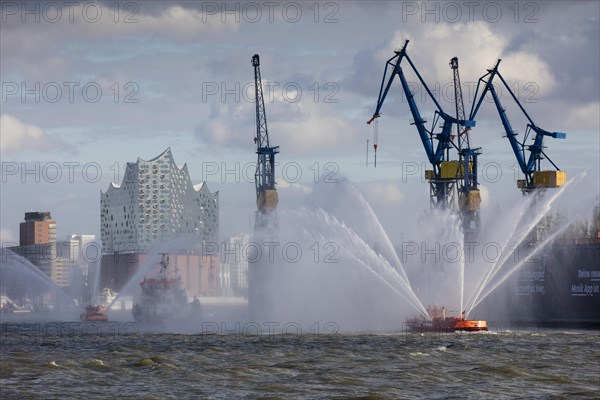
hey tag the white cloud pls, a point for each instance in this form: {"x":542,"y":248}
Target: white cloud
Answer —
{"x":587,"y":117}
{"x":17,"y":137}
{"x":478,"y":46}
{"x":527,"y":68}
{"x":313,"y":131}
{"x":303,"y":127}
{"x":387,"y":193}
{"x":294,"y":187}
{"x":174,"y":22}
{"x":6,"y":236}
{"x":475,"y":44}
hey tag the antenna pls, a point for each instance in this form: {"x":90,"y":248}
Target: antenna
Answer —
{"x":375,"y":139}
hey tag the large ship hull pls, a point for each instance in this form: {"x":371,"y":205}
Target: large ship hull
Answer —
{"x":560,"y":286}
{"x":165,"y":314}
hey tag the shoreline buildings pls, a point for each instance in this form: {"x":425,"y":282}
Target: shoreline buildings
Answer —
{"x":66,"y":263}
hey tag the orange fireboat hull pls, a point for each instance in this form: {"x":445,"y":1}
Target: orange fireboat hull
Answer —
{"x":97,"y":317}
{"x":470,"y":325}
{"x":94,"y":313}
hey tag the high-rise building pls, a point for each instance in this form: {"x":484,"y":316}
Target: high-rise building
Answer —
{"x":37,"y":240}
{"x":76,"y":256}
{"x":236,"y":260}
{"x":155,"y":203}
{"x":62,"y":261}
{"x":38,"y":228}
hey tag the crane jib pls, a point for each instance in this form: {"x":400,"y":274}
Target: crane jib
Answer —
{"x":264,"y":176}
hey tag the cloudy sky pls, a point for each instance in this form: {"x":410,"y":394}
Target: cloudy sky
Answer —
{"x":88,"y":87}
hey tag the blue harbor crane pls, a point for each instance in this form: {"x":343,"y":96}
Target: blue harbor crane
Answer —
{"x":446,"y":173}
{"x":535,"y":180}
{"x":264,"y":177}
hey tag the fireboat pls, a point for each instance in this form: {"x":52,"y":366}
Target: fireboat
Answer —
{"x":164,"y":298}
{"x":94,"y":313}
{"x":441,"y":322}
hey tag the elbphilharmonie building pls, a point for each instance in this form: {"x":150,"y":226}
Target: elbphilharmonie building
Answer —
{"x":155,"y":204}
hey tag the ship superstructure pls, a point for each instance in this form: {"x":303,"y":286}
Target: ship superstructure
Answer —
{"x":163,"y":298}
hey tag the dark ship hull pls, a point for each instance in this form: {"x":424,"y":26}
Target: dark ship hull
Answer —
{"x":561,"y":287}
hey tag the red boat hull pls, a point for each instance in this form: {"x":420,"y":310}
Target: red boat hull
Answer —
{"x":94,"y":313}
{"x":470,"y":325}
{"x":98,"y":317}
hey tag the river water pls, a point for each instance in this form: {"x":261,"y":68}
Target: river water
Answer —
{"x":120,"y":360}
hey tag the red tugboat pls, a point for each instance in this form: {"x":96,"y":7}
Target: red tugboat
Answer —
{"x":441,"y":322}
{"x":94,"y":313}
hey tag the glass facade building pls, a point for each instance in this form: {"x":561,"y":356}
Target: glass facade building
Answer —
{"x":155,"y":203}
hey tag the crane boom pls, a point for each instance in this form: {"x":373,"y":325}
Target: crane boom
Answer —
{"x":469,"y":198}
{"x":443,"y":175}
{"x":463,"y":136}
{"x":535,"y":178}
{"x":264,"y":177}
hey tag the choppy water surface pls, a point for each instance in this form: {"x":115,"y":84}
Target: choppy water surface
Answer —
{"x":117,"y":360}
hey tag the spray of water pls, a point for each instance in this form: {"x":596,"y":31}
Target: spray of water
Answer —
{"x":20,"y":278}
{"x":344,"y":201}
{"x":518,"y":265}
{"x":132,"y":288}
{"x":533,"y":212}
{"x":376,"y":263}
{"x":505,"y":240}
{"x":434,"y":259}
{"x":95,"y":291}
{"x":418,"y":306}
{"x":357,"y":280}
{"x":367,"y":261}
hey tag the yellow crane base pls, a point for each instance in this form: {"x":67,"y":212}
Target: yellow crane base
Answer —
{"x":267,"y":199}
{"x":470,"y":201}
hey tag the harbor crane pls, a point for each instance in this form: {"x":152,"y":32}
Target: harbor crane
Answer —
{"x":536,"y":180}
{"x":469,"y":197}
{"x":264,"y":177}
{"x":445,"y":173}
